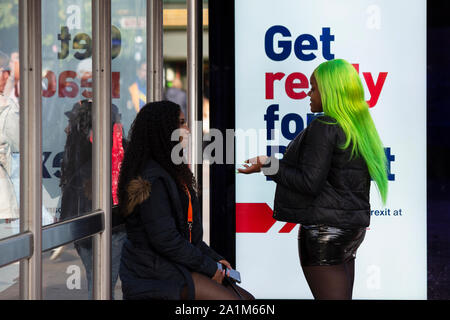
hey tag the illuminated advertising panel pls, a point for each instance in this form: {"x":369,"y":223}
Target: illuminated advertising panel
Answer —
{"x":278,"y":45}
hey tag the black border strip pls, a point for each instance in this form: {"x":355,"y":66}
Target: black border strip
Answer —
{"x":222,"y":117}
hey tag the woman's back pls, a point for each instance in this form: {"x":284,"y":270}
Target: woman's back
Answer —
{"x":339,"y":192}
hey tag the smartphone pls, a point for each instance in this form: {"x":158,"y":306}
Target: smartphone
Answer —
{"x":234,"y":274}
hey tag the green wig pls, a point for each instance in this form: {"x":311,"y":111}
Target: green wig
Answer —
{"x":342,"y":96}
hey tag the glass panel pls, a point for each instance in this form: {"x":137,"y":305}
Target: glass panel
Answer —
{"x":129,"y":59}
{"x":67,"y":140}
{"x":129,"y":88}
{"x":9,"y":139}
{"x":66,"y":109}
{"x":175,"y":77}
{"x":9,"y":282}
{"x":175,"y":53}
{"x":66,"y":272}
{"x":9,"y":119}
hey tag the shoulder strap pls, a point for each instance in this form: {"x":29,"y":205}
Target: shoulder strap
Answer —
{"x":190,"y":216}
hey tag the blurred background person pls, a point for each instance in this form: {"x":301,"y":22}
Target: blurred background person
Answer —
{"x":9,"y":143}
{"x":176,"y":94}
{"x":138,"y":89}
{"x":76,"y":181}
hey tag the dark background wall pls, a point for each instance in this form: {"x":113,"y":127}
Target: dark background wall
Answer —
{"x":438,"y":149}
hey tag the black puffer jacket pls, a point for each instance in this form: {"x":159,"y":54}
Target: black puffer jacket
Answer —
{"x":317,"y":183}
{"x":157,"y":257}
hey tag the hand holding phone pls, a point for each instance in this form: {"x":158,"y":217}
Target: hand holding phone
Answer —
{"x":230,"y":273}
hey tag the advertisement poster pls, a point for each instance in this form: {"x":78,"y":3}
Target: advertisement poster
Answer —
{"x":278,"y":44}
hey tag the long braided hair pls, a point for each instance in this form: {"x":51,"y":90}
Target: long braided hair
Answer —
{"x":150,"y":138}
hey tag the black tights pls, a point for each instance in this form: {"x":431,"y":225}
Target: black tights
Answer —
{"x":208,"y":289}
{"x":331,"y":282}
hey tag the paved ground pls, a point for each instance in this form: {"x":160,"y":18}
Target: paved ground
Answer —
{"x":58,"y":276}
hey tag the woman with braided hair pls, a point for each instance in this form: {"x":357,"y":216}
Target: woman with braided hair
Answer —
{"x":164,"y":256}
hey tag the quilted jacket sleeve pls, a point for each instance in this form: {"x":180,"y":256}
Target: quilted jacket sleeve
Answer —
{"x":163,"y":234}
{"x":209,"y":251}
{"x":311,"y":170}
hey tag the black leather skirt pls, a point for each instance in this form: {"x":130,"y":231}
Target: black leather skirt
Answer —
{"x":321,"y":245}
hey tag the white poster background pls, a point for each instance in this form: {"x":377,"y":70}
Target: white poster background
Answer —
{"x":380,"y":36}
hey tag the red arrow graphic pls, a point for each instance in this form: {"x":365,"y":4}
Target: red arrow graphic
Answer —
{"x":287,"y":227}
{"x":257,"y":218}
{"x":253,"y":218}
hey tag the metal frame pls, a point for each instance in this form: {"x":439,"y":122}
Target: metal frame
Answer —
{"x":16,"y":248}
{"x":31,"y":144}
{"x":20,"y":246}
{"x":65,"y":232}
{"x":154,"y":50}
{"x":195,"y":84}
{"x":101,"y":155}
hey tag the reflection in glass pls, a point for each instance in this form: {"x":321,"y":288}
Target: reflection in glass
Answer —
{"x":76,"y":181}
{"x":129,"y":54}
{"x":64,"y":278}
{"x":67,"y":112}
{"x":9,"y":121}
{"x":67,"y":80}
{"x":69,"y":277}
{"x":129,"y":95}
{"x":67,"y":137}
{"x":76,"y":165}
{"x":9,"y":141}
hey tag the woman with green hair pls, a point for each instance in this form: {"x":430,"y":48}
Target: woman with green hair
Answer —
{"x":323,"y":180}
